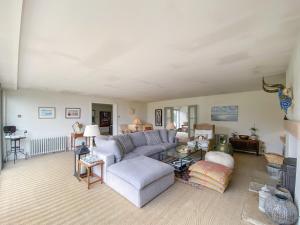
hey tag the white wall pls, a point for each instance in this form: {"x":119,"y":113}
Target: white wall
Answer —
{"x":256,"y":107}
{"x":293,"y":79}
{"x":26,"y":103}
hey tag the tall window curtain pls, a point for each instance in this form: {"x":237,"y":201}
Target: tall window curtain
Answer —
{"x":177,"y":118}
{"x":1,"y":132}
{"x":168,"y":115}
{"x":192,"y":118}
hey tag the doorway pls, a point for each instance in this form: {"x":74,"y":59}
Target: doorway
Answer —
{"x":102,"y":115}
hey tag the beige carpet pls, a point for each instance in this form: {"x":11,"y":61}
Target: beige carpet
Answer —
{"x":43,"y":190}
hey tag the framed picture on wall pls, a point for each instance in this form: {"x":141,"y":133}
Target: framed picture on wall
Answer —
{"x":73,"y":113}
{"x":158,"y":117}
{"x":105,"y":119}
{"x":46,"y":112}
{"x":225,"y":113}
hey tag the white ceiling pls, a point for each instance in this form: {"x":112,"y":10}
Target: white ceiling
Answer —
{"x":10,"y":22}
{"x":152,"y":50}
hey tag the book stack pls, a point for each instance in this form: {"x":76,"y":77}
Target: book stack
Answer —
{"x":90,"y":159}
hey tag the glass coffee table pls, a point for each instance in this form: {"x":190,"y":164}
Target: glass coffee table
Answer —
{"x":181,"y":157}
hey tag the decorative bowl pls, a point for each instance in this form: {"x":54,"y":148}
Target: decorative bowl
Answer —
{"x":244,"y":137}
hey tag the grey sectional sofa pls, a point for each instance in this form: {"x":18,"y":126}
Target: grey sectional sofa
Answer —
{"x":131,"y":167}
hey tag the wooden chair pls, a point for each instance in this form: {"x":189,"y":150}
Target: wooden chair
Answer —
{"x":208,"y":130}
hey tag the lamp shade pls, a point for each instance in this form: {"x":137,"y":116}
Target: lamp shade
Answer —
{"x":171,"y":126}
{"x":137,"y":121}
{"x":91,"y":131}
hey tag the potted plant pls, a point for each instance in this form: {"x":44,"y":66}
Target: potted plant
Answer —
{"x":253,"y":133}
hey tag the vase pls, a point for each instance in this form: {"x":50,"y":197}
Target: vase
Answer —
{"x":281,"y":210}
{"x":253,"y":137}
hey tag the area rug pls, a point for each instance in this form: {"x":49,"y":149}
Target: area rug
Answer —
{"x":183,"y":177}
{"x":251,"y":214}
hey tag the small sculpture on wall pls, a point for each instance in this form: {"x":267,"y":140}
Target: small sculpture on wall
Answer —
{"x":285,"y":95}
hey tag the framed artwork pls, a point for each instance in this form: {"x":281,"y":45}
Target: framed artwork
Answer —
{"x":225,"y":113}
{"x":46,"y":112}
{"x":105,"y":119}
{"x":73,"y":113}
{"x":158,"y":117}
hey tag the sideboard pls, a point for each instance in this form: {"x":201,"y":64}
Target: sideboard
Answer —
{"x":245,"y":145}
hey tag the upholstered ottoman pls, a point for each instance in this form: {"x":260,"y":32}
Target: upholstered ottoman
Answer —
{"x":220,"y":158}
{"x":140,"y":179}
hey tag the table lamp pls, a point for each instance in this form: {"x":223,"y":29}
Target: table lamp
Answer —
{"x":137,"y":122}
{"x":91,"y":131}
{"x":170,"y":126}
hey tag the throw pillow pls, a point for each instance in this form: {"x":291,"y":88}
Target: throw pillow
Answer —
{"x":138,"y":139}
{"x":172,"y":136}
{"x":153,"y":137}
{"x":207,"y":133}
{"x":125,"y":142}
{"x":100,"y":139}
{"x":164,"y":135}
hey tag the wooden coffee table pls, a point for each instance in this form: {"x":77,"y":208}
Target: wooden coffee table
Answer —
{"x":91,"y":177}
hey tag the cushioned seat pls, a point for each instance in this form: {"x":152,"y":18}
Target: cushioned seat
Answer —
{"x":209,"y":174}
{"x":148,"y":150}
{"x":220,"y":158}
{"x":140,"y":171}
{"x":130,"y":155}
{"x":140,"y":179}
{"x":167,"y":146}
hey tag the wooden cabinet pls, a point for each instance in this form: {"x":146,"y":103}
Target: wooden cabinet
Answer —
{"x":245,"y":145}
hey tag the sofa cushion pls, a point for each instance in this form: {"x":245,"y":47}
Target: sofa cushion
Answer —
{"x":140,"y":171}
{"x":99,"y":139}
{"x":138,"y":139}
{"x":125,"y":142}
{"x":153,"y":137}
{"x":149,"y":150}
{"x":164,"y":135}
{"x":110,"y":146}
{"x":130,"y":155}
{"x":167,"y":146}
{"x":172,"y":136}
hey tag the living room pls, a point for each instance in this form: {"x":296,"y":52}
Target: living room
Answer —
{"x":146,"y":61}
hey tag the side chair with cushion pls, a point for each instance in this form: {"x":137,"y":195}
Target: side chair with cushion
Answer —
{"x":207,"y":131}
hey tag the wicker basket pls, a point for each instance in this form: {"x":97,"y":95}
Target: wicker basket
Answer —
{"x":274,"y":158}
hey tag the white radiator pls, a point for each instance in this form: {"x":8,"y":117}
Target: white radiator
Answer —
{"x":42,"y":146}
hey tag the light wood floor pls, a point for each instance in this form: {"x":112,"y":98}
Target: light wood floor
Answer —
{"x":42,"y":190}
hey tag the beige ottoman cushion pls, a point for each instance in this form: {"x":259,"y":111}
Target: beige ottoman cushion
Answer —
{"x":220,"y":158}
